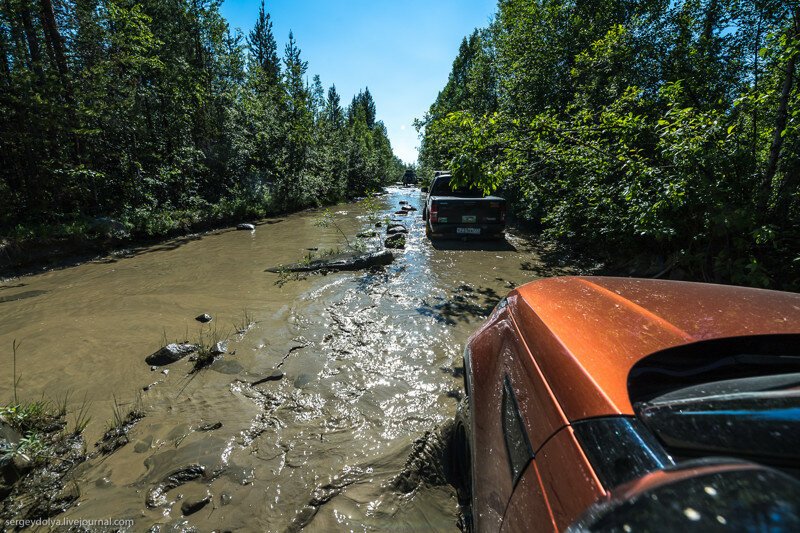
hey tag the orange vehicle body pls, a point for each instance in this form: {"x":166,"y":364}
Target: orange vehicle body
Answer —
{"x":567,"y":346}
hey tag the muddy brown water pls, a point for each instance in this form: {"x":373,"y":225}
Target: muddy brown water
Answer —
{"x":370,"y":362}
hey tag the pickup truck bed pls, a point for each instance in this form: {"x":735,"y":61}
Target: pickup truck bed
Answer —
{"x":462,"y":212}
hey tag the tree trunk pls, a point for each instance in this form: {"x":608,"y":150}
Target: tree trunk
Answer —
{"x":711,"y":21}
{"x":17,"y":36}
{"x":4,"y":66}
{"x":756,"y":55}
{"x":32,"y":39}
{"x":54,"y":40}
{"x":781,"y":118}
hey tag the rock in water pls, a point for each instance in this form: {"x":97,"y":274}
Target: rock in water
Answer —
{"x":170,"y":353}
{"x":8,"y":435}
{"x":192,"y":506}
{"x":9,"y":464}
{"x":397,"y":240}
{"x":246,"y":227}
{"x":219,"y":348}
{"x":409,"y":208}
{"x":396,"y":228}
{"x":204,"y":318}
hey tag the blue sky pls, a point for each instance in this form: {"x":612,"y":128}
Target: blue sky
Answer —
{"x":402,"y":51}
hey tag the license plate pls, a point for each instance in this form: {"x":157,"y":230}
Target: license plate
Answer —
{"x":468,"y":231}
{"x":468,"y":219}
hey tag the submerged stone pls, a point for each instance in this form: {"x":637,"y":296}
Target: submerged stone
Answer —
{"x":170,"y":353}
{"x":219,"y":348}
{"x":192,"y":506}
{"x":210,"y":427}
{"x":396,"y":228}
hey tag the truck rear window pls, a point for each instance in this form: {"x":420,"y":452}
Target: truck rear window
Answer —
{"x":443,"y":187}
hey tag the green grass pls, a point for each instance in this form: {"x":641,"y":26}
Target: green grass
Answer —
{"x":123,"y":416}
{"x":244,"y":323}
{"x":207,"y":340}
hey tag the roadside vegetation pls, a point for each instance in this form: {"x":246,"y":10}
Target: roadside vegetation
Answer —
{"x":660,"y":136}
{"x":41,"y":443}
{"x":136,"y":119}
{"x":38,"y":450}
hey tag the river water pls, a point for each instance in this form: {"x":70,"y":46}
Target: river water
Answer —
{"x":371,"y":363}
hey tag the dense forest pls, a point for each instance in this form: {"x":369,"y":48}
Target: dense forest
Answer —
{"x":659,"y":133}
{"x":144,"y":116}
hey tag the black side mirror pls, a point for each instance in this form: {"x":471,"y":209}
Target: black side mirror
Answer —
{"x":424,"y":189}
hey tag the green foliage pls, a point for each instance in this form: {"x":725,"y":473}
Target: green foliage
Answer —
{"x":156,"y":115}
{"x":27,"y":417}
{"x":660,"y":129}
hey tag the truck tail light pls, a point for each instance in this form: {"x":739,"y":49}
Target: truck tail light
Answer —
{"x":434,"y":214}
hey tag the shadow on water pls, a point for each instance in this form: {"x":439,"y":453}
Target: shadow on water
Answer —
{"x":473,"y":245}
{"x":69,"y":254}
{"x":177,"y":242}
{"x":168,"y":246}
{"x":465,"y":305}
{"x":21,"y":296}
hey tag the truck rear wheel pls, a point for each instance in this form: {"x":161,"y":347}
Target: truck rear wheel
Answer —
{"x":461,"y":460}
{"x":461,"y":453}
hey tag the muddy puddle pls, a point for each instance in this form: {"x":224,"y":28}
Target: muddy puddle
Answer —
{"x":316,"y":418}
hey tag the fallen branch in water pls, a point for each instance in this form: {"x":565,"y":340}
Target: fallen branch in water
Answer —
{"x":338,"y":263}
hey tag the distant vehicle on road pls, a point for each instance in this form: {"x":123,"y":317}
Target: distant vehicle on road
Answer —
{"x":462,"y":211}
{"x":618,"y":404}
{"x":409,"y":178}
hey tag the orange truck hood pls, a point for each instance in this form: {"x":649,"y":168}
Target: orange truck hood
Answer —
{"x":586,"y":333}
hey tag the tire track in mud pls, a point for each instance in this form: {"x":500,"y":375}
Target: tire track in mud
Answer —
{"x":372,"y":384}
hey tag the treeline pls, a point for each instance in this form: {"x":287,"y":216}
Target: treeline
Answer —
{"x":662,"y":133}
{"x":155,"y":115}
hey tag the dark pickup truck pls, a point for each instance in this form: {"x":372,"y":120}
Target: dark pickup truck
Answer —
{"x":462,"y":211}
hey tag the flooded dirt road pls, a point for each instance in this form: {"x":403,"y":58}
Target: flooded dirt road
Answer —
{"x":370,"y":363}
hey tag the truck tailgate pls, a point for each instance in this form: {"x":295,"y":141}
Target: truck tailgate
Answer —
{"x":452,"y":210}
